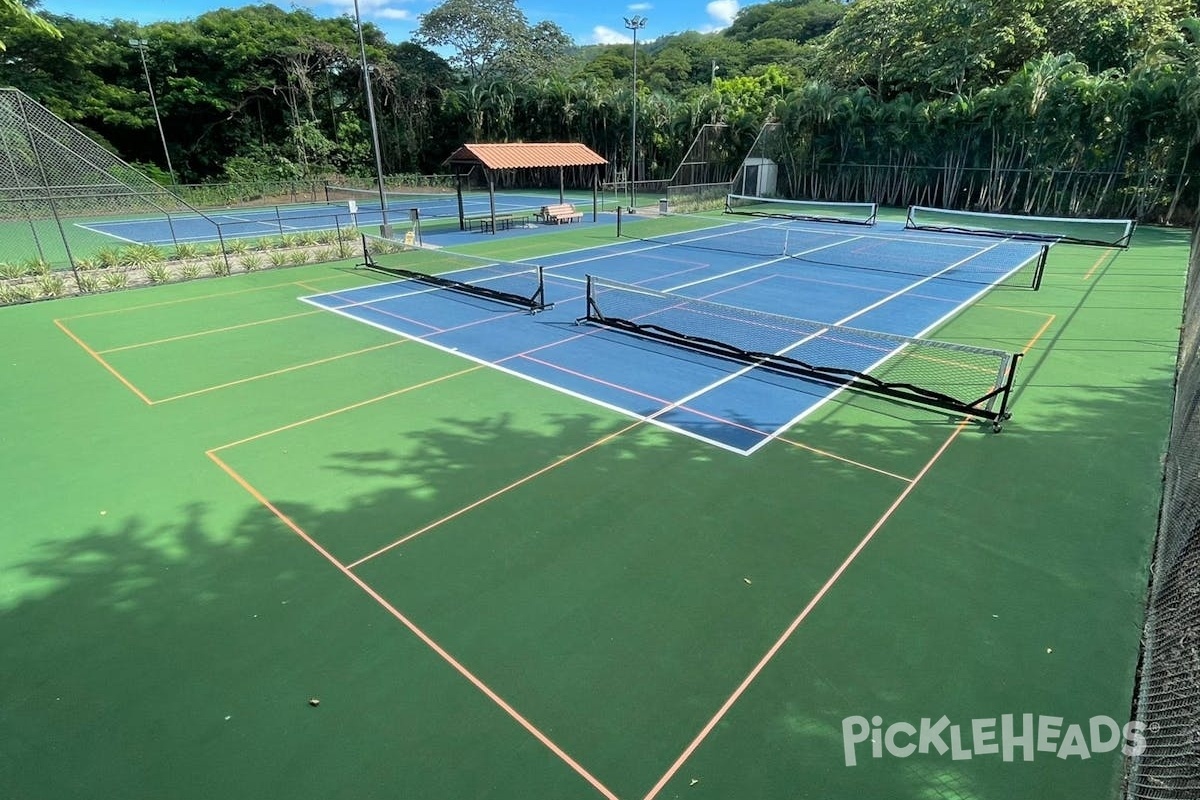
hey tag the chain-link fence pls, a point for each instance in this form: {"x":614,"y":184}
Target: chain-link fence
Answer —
{"x":74,"y":218}
{"x":1167,"y":698}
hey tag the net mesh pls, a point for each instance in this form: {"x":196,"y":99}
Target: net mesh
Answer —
{"x":514,"y":284}
{"x":959,"y":378}
{"x":812,"y":210}
{"x":703,"y":176}
{"x":1097,"y":232}
{"x":767,"y":169}
{"x":54,"y":181}
{"x":431,"y":203}
{"x":1167,"y":699}
{"x":1015,"y":264}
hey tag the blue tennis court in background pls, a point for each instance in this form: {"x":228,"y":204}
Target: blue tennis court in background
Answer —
{"x":253,"y":223}
{"x":885,"y":279}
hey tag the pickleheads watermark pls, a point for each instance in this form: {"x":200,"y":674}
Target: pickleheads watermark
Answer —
{"x":1010,"y":737}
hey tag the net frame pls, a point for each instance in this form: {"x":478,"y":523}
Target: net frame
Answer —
{"x":719,"y":235}
{"x":1019,"y":226}
{"x":368,"y":199}
{"x":992,"y":405}
{"x":807,"y":210}
{"x":374,"y":246}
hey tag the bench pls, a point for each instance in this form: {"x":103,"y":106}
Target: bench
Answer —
{"x":558,"y":214}
{"x":484,"y":221}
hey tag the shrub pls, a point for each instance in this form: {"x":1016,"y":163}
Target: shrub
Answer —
{"x":158,"y":273}
{"x":142,"y":255}
{"x":325,"y":254}
{"x":189,"y":271}
{"x":36,"y":266}
{"x":115,"y":280}
{"x":108,"y":257}
{"x":265,"y":243}
{"x":252,"y":261}
{"x":20,"y":293}
{"x":10,"y":272}
{"x":85,"y":264}
{"x":89,"y":283}
{"x":237,"y":246}
{"x":52,"y":285}
{"x":298,"y":257}
{"x":186,"y":251}
{"x":218,"y":266}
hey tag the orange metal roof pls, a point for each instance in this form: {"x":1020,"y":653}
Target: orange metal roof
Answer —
{"x":526,"y":156}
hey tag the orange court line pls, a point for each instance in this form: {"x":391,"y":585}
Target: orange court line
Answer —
{"x":182,"y":336}
{"x":836,"y":457}
{"x":1016,"y":310}
{"x":787,"y":634}
{"x":1045,"y":326}
{"x":1106,"y":254}
{"x":179,"y":300}
{"x":519,"y":482}
{"x":416,"y":631}
{"x":350,"y":407}
{"x":113,"y":370}
{"x":280,"y":371}
{"x":722,"y":420}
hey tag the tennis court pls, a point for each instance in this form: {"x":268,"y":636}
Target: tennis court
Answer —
{"x":251,"y":223}
{"x":519,"y":555}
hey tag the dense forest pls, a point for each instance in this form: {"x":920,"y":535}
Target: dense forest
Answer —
{"x":1068,"y":107}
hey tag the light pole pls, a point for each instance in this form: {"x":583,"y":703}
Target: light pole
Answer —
{"x":385,"y":229}
{"x":634,"y":24}
{"x":140,"y":44}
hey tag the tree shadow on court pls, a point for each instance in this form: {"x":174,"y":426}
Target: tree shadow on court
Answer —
{"x":131,"y":646}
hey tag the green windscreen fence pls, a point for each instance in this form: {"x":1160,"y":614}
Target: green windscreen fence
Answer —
{"x":1167,"y":697}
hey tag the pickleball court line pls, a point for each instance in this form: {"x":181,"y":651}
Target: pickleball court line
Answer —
{"x":713,"y":417}
{"x":965,"y":303}
{"x":425,"y":638}
{"x":280,"y":371}
{"x":803,"y":615}
{"x":741,"y":688}
{"x":113,"y":370}
{"x":206,"y":332}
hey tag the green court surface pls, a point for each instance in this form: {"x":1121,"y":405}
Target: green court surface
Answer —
{"x":221,"y":503}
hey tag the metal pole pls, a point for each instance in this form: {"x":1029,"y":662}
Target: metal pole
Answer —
{"x":140,"y":44}
{"x":385,"y":229}
{"x":634,"y":24}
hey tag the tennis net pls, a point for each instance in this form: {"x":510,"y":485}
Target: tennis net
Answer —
{"x":810,"y":210}
{"x":960,"y":378}
{"x":432,"y":203}
{"x":513,"y":284}
{"x":1011,"y":264}
{"x":1096,"y":232}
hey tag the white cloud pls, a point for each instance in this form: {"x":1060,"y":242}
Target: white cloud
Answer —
{"x":394,"y":13}
{"x":723,"y":11}
{"x":640,"y":6}
{"x":604,"y":35}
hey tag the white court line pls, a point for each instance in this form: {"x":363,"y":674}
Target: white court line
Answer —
{"x":930,"y":327}
{"x":763,"y":264}
{"x":625,"y":412}
{"x":106,"y":233}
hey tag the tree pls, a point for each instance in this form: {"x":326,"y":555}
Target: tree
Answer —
{"x":15,"y":16}
{"x":795,"y":20}
{"x":491,"y":37}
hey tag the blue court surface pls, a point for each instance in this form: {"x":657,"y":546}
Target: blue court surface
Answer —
{"x":254,"y":223}
{"x":834,"y":275}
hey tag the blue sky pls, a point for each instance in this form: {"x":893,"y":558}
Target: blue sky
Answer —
{"x":587,"y":24}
